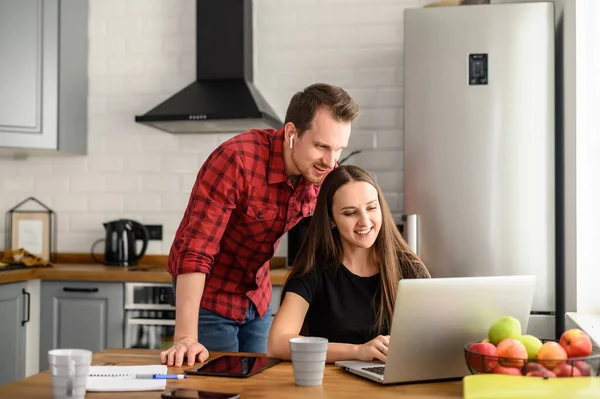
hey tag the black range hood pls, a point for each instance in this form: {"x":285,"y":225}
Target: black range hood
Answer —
{"x":223,"y":98}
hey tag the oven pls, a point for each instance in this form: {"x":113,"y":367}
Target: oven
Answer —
{"x":149,"y":315}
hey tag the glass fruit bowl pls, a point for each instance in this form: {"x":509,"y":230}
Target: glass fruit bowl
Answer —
{"x":479,"y":363}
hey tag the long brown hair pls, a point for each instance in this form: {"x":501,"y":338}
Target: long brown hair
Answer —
{"x":322,"y":246}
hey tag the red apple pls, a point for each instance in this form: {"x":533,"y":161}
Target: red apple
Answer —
{"x":541,"y":373}
{"x":533,"y":366}
{"x":551,"y":354}
{"x":583,"y":367}
{"x":506,"y":370}
{"x":485,"y":357}
{"x":576,"y":343}
{"x":566,"y":370}
{"x":511,"y":353}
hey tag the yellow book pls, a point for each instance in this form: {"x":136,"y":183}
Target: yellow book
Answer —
{"x":498,"y":386}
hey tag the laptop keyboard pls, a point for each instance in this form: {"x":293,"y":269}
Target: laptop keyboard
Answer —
{"x":377,"y":370}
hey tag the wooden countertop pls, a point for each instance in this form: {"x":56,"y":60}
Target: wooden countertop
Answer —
{"x":276,"y":382}
{"x":90,"y":272}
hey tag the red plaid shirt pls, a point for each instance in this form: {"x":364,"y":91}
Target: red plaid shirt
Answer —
{"x":240,"y":206}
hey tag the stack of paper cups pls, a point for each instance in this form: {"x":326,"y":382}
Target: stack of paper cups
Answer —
{"x":69,"y":370}
{"x":308,"y":359}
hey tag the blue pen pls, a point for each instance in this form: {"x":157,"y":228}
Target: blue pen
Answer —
{"x":161,"y":376}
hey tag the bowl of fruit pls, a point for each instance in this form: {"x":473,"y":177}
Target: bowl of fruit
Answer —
{"x":507,"y":351}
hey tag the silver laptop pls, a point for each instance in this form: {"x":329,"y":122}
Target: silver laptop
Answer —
{"x":433,"y":320}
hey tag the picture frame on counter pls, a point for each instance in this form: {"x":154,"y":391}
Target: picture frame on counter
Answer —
{"x":33,"y":230}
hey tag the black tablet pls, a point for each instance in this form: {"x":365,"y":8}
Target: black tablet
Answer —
{"x":234,"y":366}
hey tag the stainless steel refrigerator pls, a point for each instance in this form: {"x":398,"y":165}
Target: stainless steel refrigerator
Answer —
{"x":479,"y":144}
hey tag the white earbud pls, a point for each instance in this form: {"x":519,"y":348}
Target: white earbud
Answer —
{"x":291,"y":140}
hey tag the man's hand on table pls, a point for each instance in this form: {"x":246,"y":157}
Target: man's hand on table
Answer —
{"x":189,"y":347}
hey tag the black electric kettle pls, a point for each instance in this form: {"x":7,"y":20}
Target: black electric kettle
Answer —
{"x":119,"y":246}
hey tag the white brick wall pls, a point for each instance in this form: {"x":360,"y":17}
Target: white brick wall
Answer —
{"x":142,"y":51}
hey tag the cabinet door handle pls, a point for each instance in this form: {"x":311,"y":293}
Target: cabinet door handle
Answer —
{"x":87,"y":290}
{"x":27,"y":308}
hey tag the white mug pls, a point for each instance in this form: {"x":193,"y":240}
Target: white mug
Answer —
{"x":309,"y":355}
{"x":69,"y":369}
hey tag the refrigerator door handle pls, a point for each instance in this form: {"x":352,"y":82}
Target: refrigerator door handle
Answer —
{"x":412,"y":232}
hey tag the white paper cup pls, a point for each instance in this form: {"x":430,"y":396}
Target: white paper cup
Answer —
{"x":308,"y":360}
{"x":69,"y":370}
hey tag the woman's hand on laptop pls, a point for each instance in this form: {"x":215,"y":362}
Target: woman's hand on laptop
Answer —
{"x":376,"y":349}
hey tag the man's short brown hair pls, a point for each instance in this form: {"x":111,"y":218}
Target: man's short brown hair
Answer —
{"x":304,"y":105}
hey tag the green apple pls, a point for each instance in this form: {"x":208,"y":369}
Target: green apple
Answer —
{"x":532,"y":344}
{"x":505,"y":327}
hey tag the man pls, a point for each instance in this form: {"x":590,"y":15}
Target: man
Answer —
{"x":249,"y":192}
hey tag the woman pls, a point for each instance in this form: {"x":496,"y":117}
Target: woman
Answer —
{"x":343,"y":283}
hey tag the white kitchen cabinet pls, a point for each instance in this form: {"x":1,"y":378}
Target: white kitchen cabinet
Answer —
{"x":14,"y":316}
{"x":80,"y":314}
{"x":43,"y":76}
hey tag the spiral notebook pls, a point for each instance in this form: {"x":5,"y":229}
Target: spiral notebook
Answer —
{"x":122,"y":378}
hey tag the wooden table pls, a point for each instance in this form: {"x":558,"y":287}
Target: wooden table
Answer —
{"x":276,"y":382}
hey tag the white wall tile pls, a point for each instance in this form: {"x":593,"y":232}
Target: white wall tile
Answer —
{"x":125,"y":143}
{"x":32,"y":166}
{"x":101,"y":10}
{"x":106,"y":48}
{"x":142,"y":203}
{"x":69,"y":203}
{"x":160,"y":143}
{"x":88,"y":184}
{"x":362,"y":140}
{"x":187,"y":182}
{"x":122,"y":183}
{"x":181,"y":163}
{"x":160,"y":25}
{"x":105,"y":163}
{"x":389,"y":181}
{"x":380,"y":160}
{"x":97,"y":27}
{"x":174,"y":81}
{"x":106,"y":85}
{"x":143,"y":163}
{"x":69,"y":165}
{"x":394,"y":200}
{"x":86,"y":223}
{"x":21,"y":184}
{"x":390,"y":139}
{"x":97,"y":104}
{"x":51,"y":184}
{"x":169,"y":220}
{"x":80,"y":242}
{"x":200,"y":143}
{"x":175,"y":203}
{"x":8,"y":166}
{"x":124,"y":27}
{"x":101,"y":202}
{"x":167,"y":241}
{"x":62,"y":224}
{"x":378,"y":118}
{"x":160,"y":183}
{"x":126,"y":65}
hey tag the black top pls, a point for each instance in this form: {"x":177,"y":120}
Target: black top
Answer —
{"x":341,"y":304}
